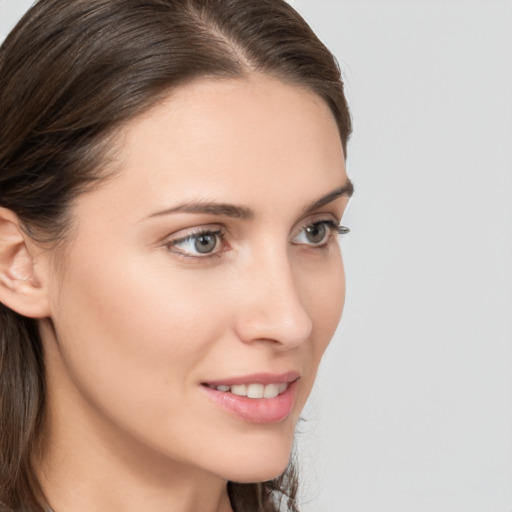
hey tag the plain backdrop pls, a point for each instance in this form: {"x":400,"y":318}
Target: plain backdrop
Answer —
{"x":412,"y":411}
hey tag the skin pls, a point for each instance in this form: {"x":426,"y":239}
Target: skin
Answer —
{"x":137,"y":323}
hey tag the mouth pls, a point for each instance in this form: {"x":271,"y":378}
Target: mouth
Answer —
{"x":253,"y":390}
{"x":260,"y":399}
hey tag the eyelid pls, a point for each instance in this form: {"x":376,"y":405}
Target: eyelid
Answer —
{"x":332,"y":225}
{"x":171,"y":242}
{"x":317,"y":218}
{"x":183,"y":234}
{"x":342,"y":229}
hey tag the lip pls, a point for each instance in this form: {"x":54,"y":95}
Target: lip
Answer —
{"x":257,"y":378}
{"x":255,"y":410}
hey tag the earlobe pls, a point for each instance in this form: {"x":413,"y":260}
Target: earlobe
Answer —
{"x":21,"y":286}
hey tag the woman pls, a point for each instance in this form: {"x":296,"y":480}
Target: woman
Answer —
{"x":172,"y":180}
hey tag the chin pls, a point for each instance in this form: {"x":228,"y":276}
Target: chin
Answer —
{"x":258,"y":465}
{"x":258,"y":473}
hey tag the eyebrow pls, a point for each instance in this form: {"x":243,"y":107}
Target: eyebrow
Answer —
{"x":347,"y":189}
{"x":242,"y":212}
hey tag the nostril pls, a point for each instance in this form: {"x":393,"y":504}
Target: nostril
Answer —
{"x":288,"y":327}
{"x":273,"y":310}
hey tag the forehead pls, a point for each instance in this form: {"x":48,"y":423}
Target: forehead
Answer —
{"x":256,"y":104}
{"x":218,"y":138}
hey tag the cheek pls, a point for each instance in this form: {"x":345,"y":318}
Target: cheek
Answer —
{"x":134,"y":346}
{"x":136,"y":334}
{"x":324,"y":298}
{"x":129,"y":333}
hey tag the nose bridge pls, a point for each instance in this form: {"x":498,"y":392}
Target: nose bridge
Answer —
{"x":271,"y":308}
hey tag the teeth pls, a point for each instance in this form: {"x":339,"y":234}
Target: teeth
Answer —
{"x":240,"y":390}
{"x":281,"y":388}
{"x":271,"y":390}
{"x":255,"y":390}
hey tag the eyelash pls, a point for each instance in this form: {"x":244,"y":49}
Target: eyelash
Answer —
{"x":333,"y":229}
{"x":220,"y":235}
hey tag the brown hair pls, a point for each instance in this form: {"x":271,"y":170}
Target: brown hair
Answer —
{"x":71,"y":72}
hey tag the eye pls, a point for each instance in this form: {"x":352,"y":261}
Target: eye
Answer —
{"x":319,"y":233}
{"x":200,"y":244}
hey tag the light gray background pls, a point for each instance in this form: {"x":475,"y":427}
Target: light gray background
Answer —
{"x":412,"y":411}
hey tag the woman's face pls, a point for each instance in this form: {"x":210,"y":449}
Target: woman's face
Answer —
{"x":207,"y":268}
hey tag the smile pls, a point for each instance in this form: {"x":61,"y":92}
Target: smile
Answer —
{"x":259,"y":398}
{"x":253,"y":390}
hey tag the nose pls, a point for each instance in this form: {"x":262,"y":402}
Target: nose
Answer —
{"x":270,"y":307}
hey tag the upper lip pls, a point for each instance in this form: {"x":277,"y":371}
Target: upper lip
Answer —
{"x":257,"y":378}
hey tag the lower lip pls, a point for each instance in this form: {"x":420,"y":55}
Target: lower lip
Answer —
{"x":255,"y":410}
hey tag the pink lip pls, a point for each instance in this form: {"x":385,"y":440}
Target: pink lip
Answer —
{"x":256,"y":410}
{"x":256,"y":378}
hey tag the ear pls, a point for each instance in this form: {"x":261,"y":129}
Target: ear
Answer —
{"x":21,"y":279}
